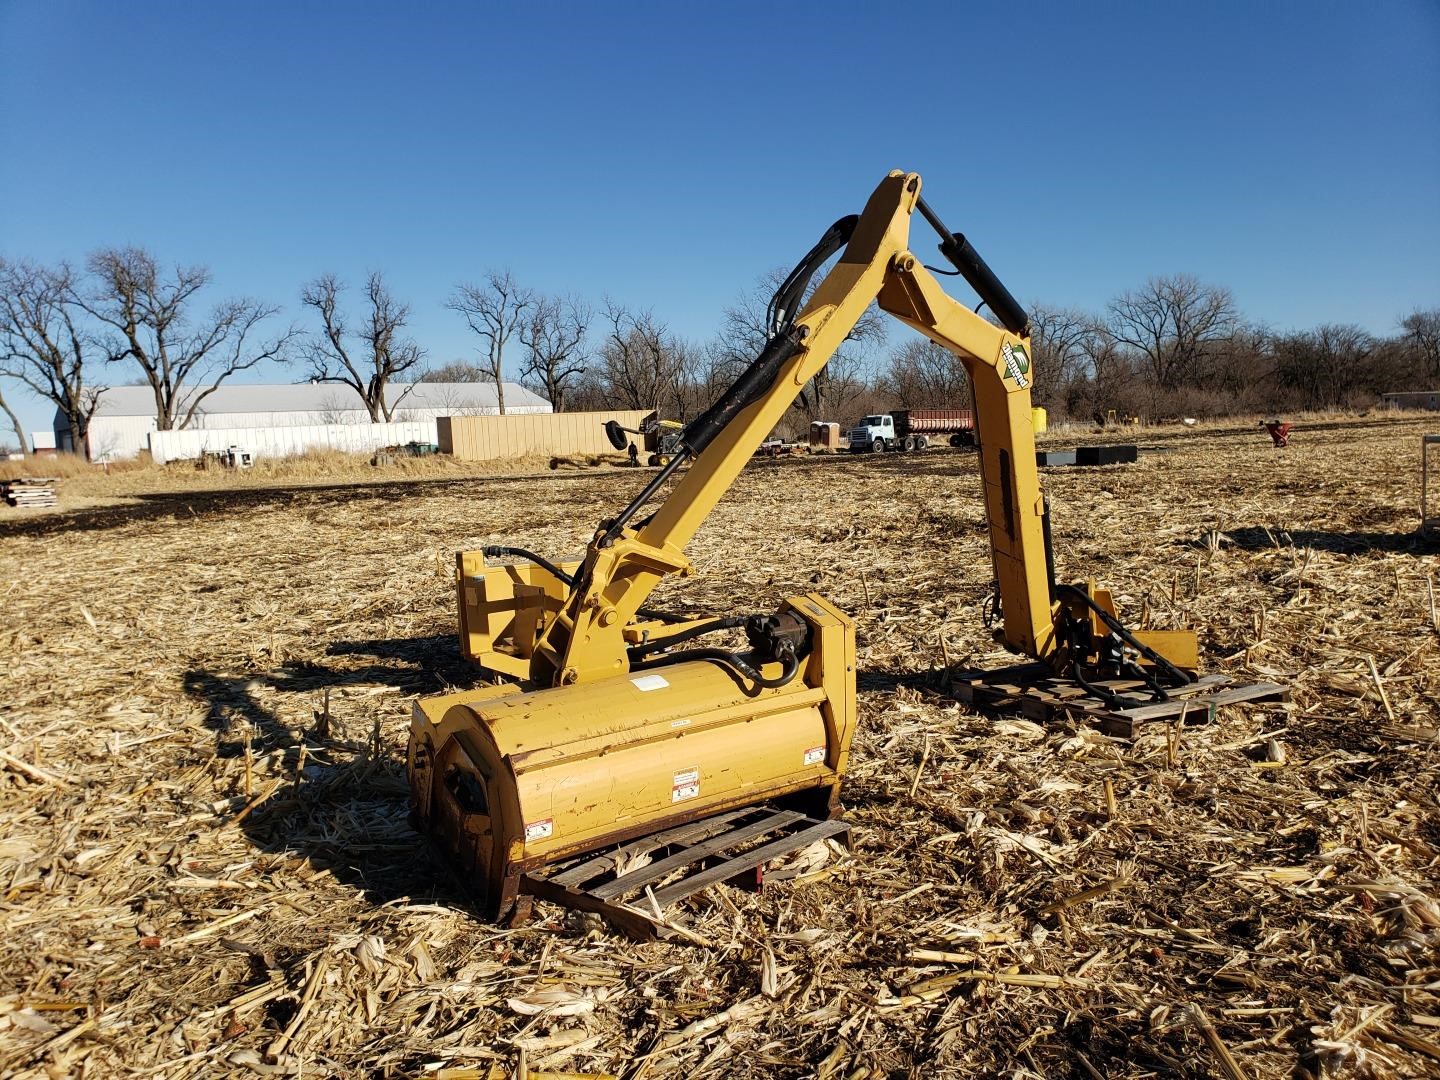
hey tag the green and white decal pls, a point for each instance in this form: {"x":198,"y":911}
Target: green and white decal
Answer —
{"x":1017,"y":363}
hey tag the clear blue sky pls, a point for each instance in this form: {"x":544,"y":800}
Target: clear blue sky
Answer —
{"x":667,"y":154}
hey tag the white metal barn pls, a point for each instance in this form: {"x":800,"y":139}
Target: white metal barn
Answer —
{"x":122,"y":424}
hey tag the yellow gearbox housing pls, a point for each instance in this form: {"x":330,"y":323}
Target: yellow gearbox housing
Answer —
{"x":506,"y":780}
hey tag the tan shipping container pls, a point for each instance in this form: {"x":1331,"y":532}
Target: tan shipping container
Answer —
{"x":484,"y":438}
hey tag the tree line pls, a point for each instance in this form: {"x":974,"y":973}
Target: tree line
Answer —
{"x":1174,"y":346}
{"x":1178,"y":347}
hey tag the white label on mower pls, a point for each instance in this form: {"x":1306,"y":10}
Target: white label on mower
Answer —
{"x":540,"y":830}
{"x":686,"y":785}
{"x":815,"y":755}
{"x":650,"y":682}
{"x":682,"y":722}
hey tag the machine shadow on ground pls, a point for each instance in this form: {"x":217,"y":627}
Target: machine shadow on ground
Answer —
{"x":343,"y":805}
{"x":1255,"y":538}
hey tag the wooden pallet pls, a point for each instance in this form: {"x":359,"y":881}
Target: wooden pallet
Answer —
{"x":28,"y":491}
{"x":682,"y":861}
{"x":1034,"y":691}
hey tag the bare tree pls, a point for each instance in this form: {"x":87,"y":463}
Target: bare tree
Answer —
{"x":1170,"y":323}
{"x":183,"y":360}
{"x":688,"y":378}
{"x":24,"y":445}
{"x":642,"y":366}
{"x":457,"y":371}
{"x":1058,"y":339}
{"x":554,"y":340}
{"x":744,"y":333}
{"x":1238,"y":364}
{"x":1107,"y":378}
{"x":44,"y":343}
{"x":1422,"y":331}
{"x":380,"y":351}
{"x":922,"y":373}
{"x":495,"y":310}
{"x":1326,"y":367}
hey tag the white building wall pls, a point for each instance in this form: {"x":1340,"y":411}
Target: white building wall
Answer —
{"x":285,"y":440}
{"x":216,"y":421}
{"x":117,"y":436}
{"x":125,"y":436}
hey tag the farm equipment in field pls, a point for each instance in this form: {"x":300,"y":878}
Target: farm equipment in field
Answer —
{"x":389,"y":455}
{"x":660,"y":438}
{"x":232,"y":457}
{"x":1278,"y":430}
{"x":780,"y":448}
{"x":612,"y":732}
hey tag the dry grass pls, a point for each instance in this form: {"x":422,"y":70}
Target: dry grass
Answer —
{"x":206,"y":869}
{"x":85,"y":486}
{"x":68,"y":466}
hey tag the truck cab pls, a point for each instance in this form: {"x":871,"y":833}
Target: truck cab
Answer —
{"x":873,"y":434}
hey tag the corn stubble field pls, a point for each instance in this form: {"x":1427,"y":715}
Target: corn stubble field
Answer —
{"x":206,"y":869}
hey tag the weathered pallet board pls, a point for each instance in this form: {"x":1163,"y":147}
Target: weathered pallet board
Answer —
{"x":28,"y":492}
{"x":684,"y":860}
{"x":1035,"y":692}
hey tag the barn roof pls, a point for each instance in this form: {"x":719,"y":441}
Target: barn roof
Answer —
{"x":320,"y":397}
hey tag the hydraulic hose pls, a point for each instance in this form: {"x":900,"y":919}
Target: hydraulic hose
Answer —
{"x":785,"y":304}
{"x":501,"y":551}
{"x":781,"y":345}
{"x":790,"y":665}
{"x":758,"y":378}
{"x":639,"y":652}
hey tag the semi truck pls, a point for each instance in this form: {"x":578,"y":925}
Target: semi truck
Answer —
{"x":912,"y":429}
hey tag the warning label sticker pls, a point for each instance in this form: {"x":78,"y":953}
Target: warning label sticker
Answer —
{"x":815,"y":755}
{"x":650,"y":682}
{"x":540,"y":830}
{"x":686,"y":785}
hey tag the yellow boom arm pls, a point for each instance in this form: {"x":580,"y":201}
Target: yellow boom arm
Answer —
{"x":608,"y":742}
{"x":587,"y":638}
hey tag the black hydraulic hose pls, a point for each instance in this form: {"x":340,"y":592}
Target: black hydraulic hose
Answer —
{"x":780,"y":315}
{"x":1108,"y":696}
{"x":681,"y":456}
{"x":1070,"y":629}
{"x":750,"y":387}
{"x":790,"y":665}
{"x":759,"y":377}
{"x":977,"y":272}
{"x":638,"y":652}
{"x":662,"y":616}
{"x":1135,"y":671}
{"x":501,"y":551}
{"x":1118,"y":627}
